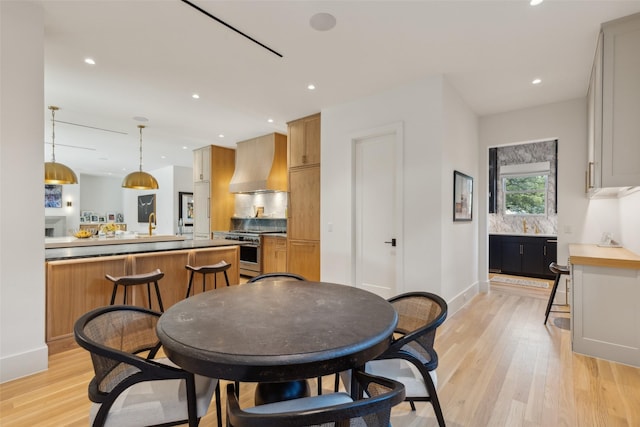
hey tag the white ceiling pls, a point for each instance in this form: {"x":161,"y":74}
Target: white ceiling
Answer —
{"x":152,"y":55}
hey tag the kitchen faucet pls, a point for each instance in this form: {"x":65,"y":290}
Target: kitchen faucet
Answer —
{"x":152,"y":222}
{"x":524,"y":226}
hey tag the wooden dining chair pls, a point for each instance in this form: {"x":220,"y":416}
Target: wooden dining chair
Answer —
{"x":131,"y":387}
{"x":411,"y":358}
{"x":334,"y":409}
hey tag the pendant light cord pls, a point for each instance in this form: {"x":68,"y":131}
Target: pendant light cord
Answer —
{"x":141,"y":127}
{"x":53,"y":133}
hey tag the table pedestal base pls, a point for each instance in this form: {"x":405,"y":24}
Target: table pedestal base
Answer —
{"x":278,"y":392}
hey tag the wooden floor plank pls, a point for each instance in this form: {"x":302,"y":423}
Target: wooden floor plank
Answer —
{"x":499,"y":366}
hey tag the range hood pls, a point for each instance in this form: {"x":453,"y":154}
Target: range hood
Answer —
{"x":261,"y":165}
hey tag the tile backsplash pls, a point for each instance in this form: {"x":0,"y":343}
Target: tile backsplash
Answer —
{"x":543,"y":224}
{"x":274,"y":204}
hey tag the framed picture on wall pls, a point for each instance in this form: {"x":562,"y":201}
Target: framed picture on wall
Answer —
{"x":185,"y":208}
{"x":52,"y":196}
{"x":146,"y":206}
{"x":94,"y":218}
{"x":462,"y":197}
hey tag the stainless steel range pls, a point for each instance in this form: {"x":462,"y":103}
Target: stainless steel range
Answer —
{"x":250,"y":250}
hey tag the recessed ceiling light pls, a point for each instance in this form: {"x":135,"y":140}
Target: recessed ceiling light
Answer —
{"x":89,"y":61}
{"x":195,"y":96}
{"x":536,"y":81}
{"x":163,"y":157}
{"x":311,"y":86}
{"x":270,"y":120}
{"x":140,"y":119}
{"x":535,"y":2}
{"x":322,"y":21}
{"x":184,"y":147}
{"x":220,"y":136}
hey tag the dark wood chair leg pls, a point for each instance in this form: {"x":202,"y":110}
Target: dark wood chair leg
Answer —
{"x":149,"y":295}
{"x":159,"y":297}
{"x":189,"y":286}
{"x":113,"y":294}
{"x":551,"y":298}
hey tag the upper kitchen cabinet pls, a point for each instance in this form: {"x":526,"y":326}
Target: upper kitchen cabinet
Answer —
{"x":304,"y":141}
{"x":613,"y":110}
{"x":202,"y":164}
{"x":213,"y":203}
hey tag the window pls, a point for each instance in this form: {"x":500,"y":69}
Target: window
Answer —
{"x":525,"y":195}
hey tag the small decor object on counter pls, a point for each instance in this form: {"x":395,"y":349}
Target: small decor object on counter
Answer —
{"x":109,"y":229}
{"x":83,"y":234}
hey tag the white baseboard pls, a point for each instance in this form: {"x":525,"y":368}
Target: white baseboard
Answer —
{"x":459,"y":301}
{"x":24,"y":364}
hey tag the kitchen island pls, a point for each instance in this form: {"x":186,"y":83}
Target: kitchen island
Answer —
{"x":76,"y":283}
{"x":605,"y":314}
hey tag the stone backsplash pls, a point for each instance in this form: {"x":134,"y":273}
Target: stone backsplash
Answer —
{"x":519,"y":154}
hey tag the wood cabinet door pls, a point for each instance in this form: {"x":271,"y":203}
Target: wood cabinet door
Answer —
{"x":303,"y":258}
{"x":495,"y":254}
{"x":201,"y":164}
{"x":533,"y":257}
{"x":304,"y":141}
{"x":274,"y":254}
{"x":511,"y":255}
{"x":304,"y":203}
{"x":621,"y":103}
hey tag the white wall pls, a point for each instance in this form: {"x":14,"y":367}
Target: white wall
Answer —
{"x":420,"y":107}
{"x":70,"y":193}
{"x":101,"y":194}
{"x":171,"y":180}
{"x":566,"y":121}
{"x":629,"y":235}
{"x":22,"y":292}
{"x":459,"y":245}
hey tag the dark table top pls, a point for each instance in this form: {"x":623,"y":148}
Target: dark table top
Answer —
{"x":276,"y":331}
{"x":55,"y":254}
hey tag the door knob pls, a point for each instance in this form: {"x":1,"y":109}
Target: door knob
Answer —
{"x":392,"y":242}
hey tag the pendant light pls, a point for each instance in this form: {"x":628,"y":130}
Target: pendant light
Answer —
{"x":140,"y":180}
{"x":57,"y":173}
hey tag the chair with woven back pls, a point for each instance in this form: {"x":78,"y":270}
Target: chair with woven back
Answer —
{"x":411,"y":358}
{"x":275,"y":276}
{"x":334,"y":409}
{"x":131,"y":387}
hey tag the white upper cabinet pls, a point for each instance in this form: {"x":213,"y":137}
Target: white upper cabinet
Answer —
{"x":202,"y":164}
{"x":614,"y":109}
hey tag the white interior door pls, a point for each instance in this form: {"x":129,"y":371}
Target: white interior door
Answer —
{"x":377,"y":212}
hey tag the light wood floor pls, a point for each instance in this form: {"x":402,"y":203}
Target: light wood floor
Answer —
{"x":499,"y":366}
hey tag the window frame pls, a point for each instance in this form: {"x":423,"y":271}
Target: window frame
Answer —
{"x":545,"y":192}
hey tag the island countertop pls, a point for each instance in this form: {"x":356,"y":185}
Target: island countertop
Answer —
{"x":54,"y":254}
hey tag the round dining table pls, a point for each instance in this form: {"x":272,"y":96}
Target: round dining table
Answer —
{"x":276,"y":331}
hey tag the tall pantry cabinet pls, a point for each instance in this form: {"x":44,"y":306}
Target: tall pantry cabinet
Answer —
{"x":213,"y":204}
{"x":303,"y":225}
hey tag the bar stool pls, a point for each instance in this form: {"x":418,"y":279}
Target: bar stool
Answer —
{"x":220,"y":267}
{"x":559,"y":270}
{"x":137,"y":279}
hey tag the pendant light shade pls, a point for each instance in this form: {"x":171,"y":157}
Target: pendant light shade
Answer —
{"x":57,"y":173}
{"x":140,"y":180}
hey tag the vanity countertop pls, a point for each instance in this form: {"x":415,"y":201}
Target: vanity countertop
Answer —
{"x":551,"y":236}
